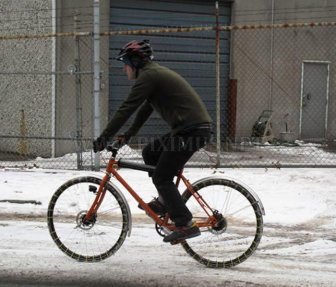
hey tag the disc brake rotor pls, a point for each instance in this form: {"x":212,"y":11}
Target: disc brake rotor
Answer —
{"x":85,"y":224}
{"x":220,"y":226}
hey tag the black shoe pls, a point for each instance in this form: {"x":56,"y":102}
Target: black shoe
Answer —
{"x":183,"y":232}
{"x":156,"y":206}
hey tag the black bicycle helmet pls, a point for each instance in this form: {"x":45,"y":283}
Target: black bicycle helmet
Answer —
{"x":136,"y":53}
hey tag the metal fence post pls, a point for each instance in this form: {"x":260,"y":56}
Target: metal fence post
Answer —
{"x":272,"y":59}
{"x":79,"y":121}
{"x":218,"y":109}
{"x":96,"y":76}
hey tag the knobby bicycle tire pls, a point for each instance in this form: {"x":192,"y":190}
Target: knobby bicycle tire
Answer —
{"x":221,"y":237}
{"x":68,"y":233}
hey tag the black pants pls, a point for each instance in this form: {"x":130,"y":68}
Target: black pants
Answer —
{"x":169,"y":154}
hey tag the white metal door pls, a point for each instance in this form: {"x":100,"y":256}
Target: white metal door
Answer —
{"x":314,"y":100}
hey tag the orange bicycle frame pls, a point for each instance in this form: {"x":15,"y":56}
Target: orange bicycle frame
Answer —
{"x":111,"y":169}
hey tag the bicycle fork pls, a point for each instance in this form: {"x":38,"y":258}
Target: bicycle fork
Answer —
{"x":92,"y":212}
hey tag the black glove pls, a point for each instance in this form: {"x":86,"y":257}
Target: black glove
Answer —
{"x":123,"y":138}
{"x":99,"y":144}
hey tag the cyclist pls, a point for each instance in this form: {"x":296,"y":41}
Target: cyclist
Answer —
{"x":160,"y":89}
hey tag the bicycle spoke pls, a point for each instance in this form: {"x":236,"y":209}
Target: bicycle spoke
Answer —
{"x":248,"y":206}
{"x":226,"y":203}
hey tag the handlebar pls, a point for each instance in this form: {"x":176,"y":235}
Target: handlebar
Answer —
{"x":115,"y":146}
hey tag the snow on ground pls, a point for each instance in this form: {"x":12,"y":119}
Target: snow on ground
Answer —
{"x":298,"y":247}
{"x":290,"y":196}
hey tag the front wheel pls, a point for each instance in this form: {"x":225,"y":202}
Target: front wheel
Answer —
{"x":239,"y":226}
{"x":80,"y":239}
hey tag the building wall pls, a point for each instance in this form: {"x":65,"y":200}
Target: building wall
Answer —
{"x":70,"y":87}
{"x":26,"y":85}
{"x":268,"y":63}
{"x":25,"y":80}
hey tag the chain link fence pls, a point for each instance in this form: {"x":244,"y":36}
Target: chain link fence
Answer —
{"x":285,"y":94}
{"x":278,"y":104}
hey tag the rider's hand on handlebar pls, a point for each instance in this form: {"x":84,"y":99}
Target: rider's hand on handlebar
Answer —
{"x":123,"y":138}
{"x":99,"y":144}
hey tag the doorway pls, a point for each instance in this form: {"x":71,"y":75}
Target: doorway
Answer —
{"x":314,"y":100}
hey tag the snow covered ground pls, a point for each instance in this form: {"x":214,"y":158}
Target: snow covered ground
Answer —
{"x":298,"y":247}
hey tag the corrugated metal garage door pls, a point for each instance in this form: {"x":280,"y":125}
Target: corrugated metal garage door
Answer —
{"x":190,"y":54}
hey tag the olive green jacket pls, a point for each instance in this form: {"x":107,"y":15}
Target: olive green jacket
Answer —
{"x":163,"y":90}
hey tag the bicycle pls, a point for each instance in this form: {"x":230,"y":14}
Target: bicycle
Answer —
{"x":89,"y":217}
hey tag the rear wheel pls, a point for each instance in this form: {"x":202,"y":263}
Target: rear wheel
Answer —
{"x":87,"y":240}
{"x":239,"y":226}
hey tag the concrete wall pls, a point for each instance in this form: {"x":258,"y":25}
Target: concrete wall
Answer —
{"x":26,"y":86}
{"x":25,"y":80}
{"x":268,"y":63}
